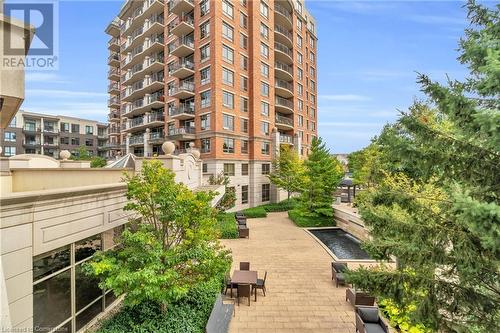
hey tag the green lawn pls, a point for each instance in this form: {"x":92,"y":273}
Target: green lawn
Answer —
{"x":310,"y":221}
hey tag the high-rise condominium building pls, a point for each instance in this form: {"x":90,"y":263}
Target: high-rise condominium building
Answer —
{"x":238,"y":78}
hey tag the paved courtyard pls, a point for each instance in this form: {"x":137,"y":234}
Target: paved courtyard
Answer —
{"x":300,"y":294}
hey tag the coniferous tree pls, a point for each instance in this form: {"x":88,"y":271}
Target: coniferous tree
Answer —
{"x":436,"y":210}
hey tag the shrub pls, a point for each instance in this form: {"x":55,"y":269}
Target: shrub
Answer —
{"x":187,"y":315}
{"x":282,"y":206}
{"x":97,"y":162}
{"x":306,"y":221}
{"x":255,"y":212}
{"x":400,"y":319}
{"x":226,"y":223}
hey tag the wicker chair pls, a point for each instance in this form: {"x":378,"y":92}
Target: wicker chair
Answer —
{"x":338,"y":270}
{"x":244,"y":266}
{"x":369,"y":321}
{"x":229,"y":285}
{"x":244,"y":290}
{"x":358,"y":297}
{"x":261,"y":284}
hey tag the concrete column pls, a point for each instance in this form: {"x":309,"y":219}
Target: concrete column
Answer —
{"x":41,"y":137}
{"x":297,"y":143}
{"x":147,"y":147}
{"x":275,"y":143}
{"x":127,"y":143}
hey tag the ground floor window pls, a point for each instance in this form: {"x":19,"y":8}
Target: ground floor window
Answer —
{"x":244,"y":194}
{"x":64,"y":298}
{"x":266,"y":192}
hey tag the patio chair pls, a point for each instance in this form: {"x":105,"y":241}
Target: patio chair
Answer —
{"x":358,"y":297}
{"x":229,"y":285}
{"x":243,"y":231}
{"x":261,"y":284}
{"x":338,"y":269}
{"x":368,"y":320}
{"x":240,"y":214}
{"x":241,"y":221}
{"x":244,"y":290}
{"x":244,"y":266}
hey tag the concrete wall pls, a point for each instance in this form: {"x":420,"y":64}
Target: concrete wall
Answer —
{"x":348,"y":219}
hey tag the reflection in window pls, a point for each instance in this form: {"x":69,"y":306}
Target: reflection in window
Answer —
{"x":86,"y":288}
{"x":48,"y":263}
{"x":88,"y":314}
{"x":87,"y":247}
{"x":52,"y":295}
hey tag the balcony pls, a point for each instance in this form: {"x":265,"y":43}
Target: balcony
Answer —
{"x":114,"y":44}
{"x":155,"y":100}
{"x":283,"y":88}
{"x":134,"y":123}
{"x":31,"y":143}
{"x":182,"y":25}
{"x":114,"y":74}
{"x":282,"y":16}
{"x":181,"y":47}
{"x":180,"y":6}
{"x":283,"y":105}
{"x":284,"y":123}
{"x":114,"y":131}
{"x":152,"y":64}
{"x":182,"y":91}
{"x":155,"y":26}
{"x":31,"y":129}
{"x":181,"y":68}
{"x":283,"y":35}
{"x":148,"y":8}
{"x":136,"y":140}
{"x":182,"y":112}
{"x":156,"y":137}
{"x":52,"y":144}
{"x":286,"y":139}
{"x":148,"y":120}
{"x":283,"y":71}
{"x":114,"y":60}
{"x":113,"y":116}
{"x":114,"y":102}
{"x":283,"y":53}
{"x":182,"y":133}
{"x":114,"y":88}
{"x":154,"y":45}
{"x":50,"y":131}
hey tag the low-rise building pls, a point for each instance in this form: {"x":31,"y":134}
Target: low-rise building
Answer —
{"x":36,"y":133}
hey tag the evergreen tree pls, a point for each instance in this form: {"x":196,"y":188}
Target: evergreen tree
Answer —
{"x":436,"y":210}
{"x":323,"y":175}
{"x":287,"y":171}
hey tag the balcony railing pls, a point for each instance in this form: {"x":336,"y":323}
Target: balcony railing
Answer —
{"x":183,"y":86}
{"x":113,"y":100}
{"x":157,"y":116}
{"x":114,"y":130}
{"x":283,"y":48}
{"x":181,"y":130}
{"x":31,"y":129}
{"x":282,"y":10}
{"x":182,"y":108}
{"x":156,"y":136}
{"x":135,"y":122}
{"x":50,"y":130}
{"x":113,"y":86}
{"x":284,"y":31}
{"x":139,"y":139}
{"x":189,"y":42}
{"x":283,"y":67}
{"x":187,"y":64}
{"x":284,"y":120}
{"x":286,"y":138}
{"x":113,"y":71}
{"x":283,"y":84}
{"x":189,"y":19}
{"x":114,"y":56}
{"x":113,"y":41}
{"x":284,"y":102}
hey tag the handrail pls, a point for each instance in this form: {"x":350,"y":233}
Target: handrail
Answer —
{"x":283,"y":67}
{"x":284,"y":120}
{"x":283,"y":48}
{"x":283,"y":84}
{"x":284,"y":102}
{"x":284,"y":31}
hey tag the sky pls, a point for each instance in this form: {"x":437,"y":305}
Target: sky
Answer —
{"x":369,"y":53}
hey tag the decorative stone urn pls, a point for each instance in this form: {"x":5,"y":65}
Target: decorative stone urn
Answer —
{"x":64,"y":155}
{"x":168,"y":147}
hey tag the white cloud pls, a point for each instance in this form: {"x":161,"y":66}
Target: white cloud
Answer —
{"x":63,"y":93}
{"x":344,"y":98}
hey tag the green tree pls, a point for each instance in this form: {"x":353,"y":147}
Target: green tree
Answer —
{"x":287,"y":171}
{"x":437,"y":210}
{"x":84,"y":155}
{"x":323,"y":175}
{"x":97,"y":162}
{"x":171,"y":245}
{"x":229,"y":199}
{"x":363,"y":165}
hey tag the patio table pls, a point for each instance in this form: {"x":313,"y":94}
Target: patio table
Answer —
{"x":249,"y":277}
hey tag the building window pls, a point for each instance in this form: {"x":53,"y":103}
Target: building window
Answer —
{"x":75,"y":141}
{"x":228,"y":122}
{"x":205,"y":29}
{"x":264,"y":70}
{"x":205,"y":122}
{"x":266,"y":192}
{"x":244,"y":146}
{"x":13,"y":122}
{"x":243,"y":20}
{"x":9,"y":151}
{"x":301,"y":105}
{"x":64,"y":140}
{"x":205,"y":75}
{"x":313,"y":85}
{"x":266,"y":148}
{"x":266,"y":168}
{"x":264,"y":89}
{"x":299,"y":58}
{"x":9,"y":136}
{"x":300,"y":89}
{"x":243,"y":104}
{"x":244,"y":169}
{"x":244,"y":62}
{"x":264,"y":31}
{"x":204,"y":7}
{"x":89,"y":142}
{"x":205,"y":146}
{"x":244,"y":194}
{"x":227,"y":8}
{"x":244,"y":125}
{"x":264,"y":127}
{"x":264,"y":50}
{"x":89,"y":129}
{"x":205,"y":99}
{"x":299,"y":41}
{"x":299,"y":24}
{"x":301,"y":121}
{"x":228,"y":146}
{"x":229,"y":169}
{"x":244,"y":83}
{"x":65,"y":127}
{"x":75,"y":128}
{"x":264,"y":10}
{"x":228,"y":99}
{"x":205,"y":52}
{"x":300,"y":73}
{"x":264,"y":109}
{"x":311,"y":57}
{"x":243,"y":41}
{"x":312,"y":71}
{"x":227,"y":77}
{"x":227,"y":54}
{"x":227,"y":31}
{"x":204,"y":168}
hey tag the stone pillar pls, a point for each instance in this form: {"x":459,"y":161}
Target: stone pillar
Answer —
{"x":275,"y":143}
{"x":147,"y":147}
{"x":297,"y":143}
{"x":127,"y":143}
{"x":42,"y":141}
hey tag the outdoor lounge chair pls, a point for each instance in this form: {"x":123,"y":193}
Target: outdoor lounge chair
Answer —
{"x":368,"y":320}
{"x":244,"y":266}
{"x":244,"y":290}
{"x":358,"y":297}
{"x":261,"y":284}
{"x":338,"y":270}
